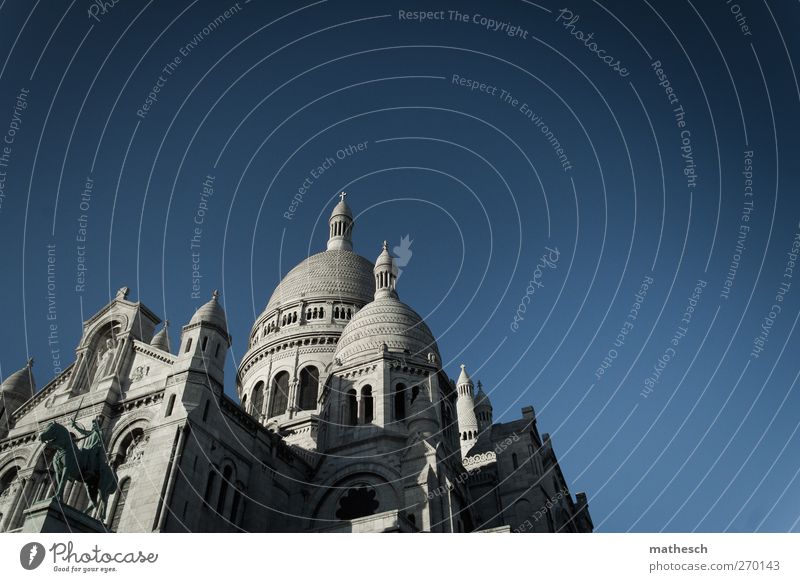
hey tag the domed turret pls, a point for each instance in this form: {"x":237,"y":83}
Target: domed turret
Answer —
{"x":211,"y":313}
{"x":385,"y":273}
{"x":483,"y":409}
{"x":20,"y":385}
{"x":17,"y":389}
{"x":205,"y":340}
{"x":341,"y":227}
{"x":161,"y":339}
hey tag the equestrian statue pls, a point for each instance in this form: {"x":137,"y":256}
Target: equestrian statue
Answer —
{"x":86,"y":464}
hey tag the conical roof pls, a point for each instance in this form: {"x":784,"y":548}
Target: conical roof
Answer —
{"x":463,"y":377}
{"x":342,"y":208}
{"x":482,"y":399}
{"x":211,"y":312}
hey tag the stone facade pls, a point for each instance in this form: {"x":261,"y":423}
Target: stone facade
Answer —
{"x":345,"y":421}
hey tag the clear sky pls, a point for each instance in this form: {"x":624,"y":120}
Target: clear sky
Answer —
{"x":600,"y":204}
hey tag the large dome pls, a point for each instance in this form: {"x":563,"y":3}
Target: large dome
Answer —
{"x":333,"y":274}
{"x":387,"y":320}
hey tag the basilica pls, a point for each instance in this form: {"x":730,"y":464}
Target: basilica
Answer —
{"x":345,"y":421}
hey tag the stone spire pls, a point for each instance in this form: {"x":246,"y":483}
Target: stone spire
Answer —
{"x":483,"y":409}
{"x":465,"y":410}
{"x":341,"y":227}
{"x":385,"y":274}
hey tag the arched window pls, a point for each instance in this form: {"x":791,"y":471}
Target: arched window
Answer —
{"x":237,"y":500}
{"x":515,"y":460}
{"x":205,"y":342}
{"x":216,"y":351}
{"x":8,"y":478}
{"x":357,"y":502}
{"x":119,"y":506}
{"x":352,"y":408}
{"x":369,"y":406}
{"x":212,"y":476}
{"x":400,"y":402}
{"x":188,"y":345}
{"x":205,"y":410}
{"x":170,"y":405}
{"x":257,"y":400}
{"x":280,"y":394}
{"x":309,"y":388}
{"x":227,"y":472}
{"x":321,"y":312}
{"x":349,"y":313}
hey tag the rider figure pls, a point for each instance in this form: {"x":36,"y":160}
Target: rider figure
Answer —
{"x":93,"y":443}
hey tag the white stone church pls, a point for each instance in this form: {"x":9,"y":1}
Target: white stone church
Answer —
{"x":346,"y":421}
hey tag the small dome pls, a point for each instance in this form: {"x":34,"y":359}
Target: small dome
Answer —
{"x":20,"y":384}
{"x":161,"y":339}
{"x":386,"y":322}
{"x":212,"y":313}
{"x":342,"y":209}
{"x":463,"y":377}
{"x":385,"y":258}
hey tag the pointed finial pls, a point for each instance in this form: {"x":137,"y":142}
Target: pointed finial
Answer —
{"x":30,"y":363}
{"x":342,"y":195}
{"x":215,"y":294}
{"x":385,"y":245}
{"x":166,"y":323}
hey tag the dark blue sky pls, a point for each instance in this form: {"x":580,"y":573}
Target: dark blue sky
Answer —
{"x":485,"y":141}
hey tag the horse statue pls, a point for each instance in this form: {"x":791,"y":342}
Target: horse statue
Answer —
{"x":87,"y":465}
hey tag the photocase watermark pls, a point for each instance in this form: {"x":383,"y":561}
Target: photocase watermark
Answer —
{"x":743,"y":228}
{"x":206,"y":193}
{"x":14,"y":126}
{"x":84,"y":205}
{"x":568,"y":20}
{"x":687,"y":151}
{"x":52,"y":313}
{"x":317,"y":172}
{"x":402,"y":253}
{"x":507,"y":98}
{"x":680,"y":332}
{"x":68,"y":559}
{"x":31,"y":555}
{"x":543,"y":511}
{"x":100,"y":8}
{"x":548,"y":260}
{"x":172,"y":66}
{"x":627,"y":327}
{"x":760,"y":341}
